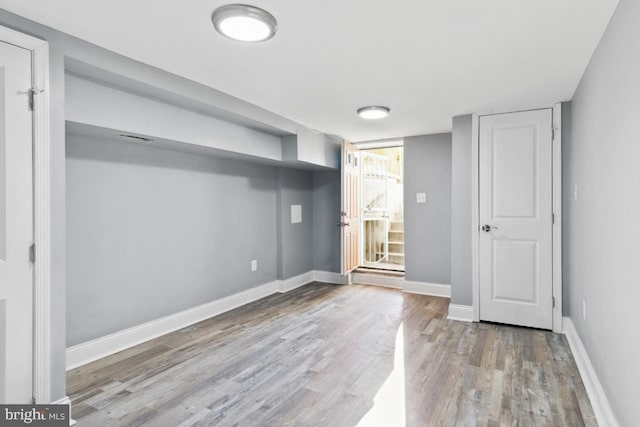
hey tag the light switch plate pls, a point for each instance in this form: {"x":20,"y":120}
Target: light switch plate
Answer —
{"x":296,"y":214}
{"x":421,"y":197}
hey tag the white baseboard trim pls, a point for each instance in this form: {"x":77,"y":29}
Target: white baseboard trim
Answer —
{"x":597,"y":396}
{"x":422,"y":288}
{"x":462,"y":313}
{"x":98,"y":348}
{"x":330,"y":277}
{"x":65,"y":401}
{"x":292,"y":283}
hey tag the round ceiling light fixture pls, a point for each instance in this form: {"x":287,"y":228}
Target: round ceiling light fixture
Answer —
{"x":244,"y":23}
{"x":374,"y":112}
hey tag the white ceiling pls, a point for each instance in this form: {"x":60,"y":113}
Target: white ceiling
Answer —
{"x":428,"y":60}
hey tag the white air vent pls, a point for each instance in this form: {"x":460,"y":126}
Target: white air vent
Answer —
{"x":139,"y":138}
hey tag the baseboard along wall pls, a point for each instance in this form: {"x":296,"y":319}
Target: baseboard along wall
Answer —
{"x":65,"y":401}
{"x":98,"y":348}
{"x":422,"y":288}
{"x":463,"y":313}
{"x":599,"y":401}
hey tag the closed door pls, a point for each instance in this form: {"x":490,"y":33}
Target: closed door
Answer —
{"x":350,"y":213}
{"x":16,"y":226}
{"x":516,"y":218}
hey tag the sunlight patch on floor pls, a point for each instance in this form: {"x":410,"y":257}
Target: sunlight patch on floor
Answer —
{"x":389,"y":403}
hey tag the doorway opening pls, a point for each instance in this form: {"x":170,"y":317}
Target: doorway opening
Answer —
{"x":382,"y":208}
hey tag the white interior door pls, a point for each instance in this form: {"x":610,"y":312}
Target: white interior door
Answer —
{"x":515,"y":154}
{"x":350,"y":213}
{"x":16,"y":226}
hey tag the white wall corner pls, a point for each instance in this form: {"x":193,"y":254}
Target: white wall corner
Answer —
{"x":462,"y":313}
{"x":597,"y":396}
{"x":557,"y":214}
{"x":292,"y":283}
{"x":330,"y":277}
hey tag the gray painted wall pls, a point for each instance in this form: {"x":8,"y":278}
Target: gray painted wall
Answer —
{"x":602,"y":227}
{"x":295,"y":244}
{"x":130,"y":75}
{"x":427,"y":168}
{"x":326,"y":214}
{"x":461,"y":201}
{"x":153,"y":231}
{"x":131,"y":113}
{"x":58,"y":205}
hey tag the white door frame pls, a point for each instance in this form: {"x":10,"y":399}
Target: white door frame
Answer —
{"x":41,"y":194}
{"x":557,"y":211}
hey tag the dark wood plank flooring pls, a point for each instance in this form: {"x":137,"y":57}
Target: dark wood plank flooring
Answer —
{"x":327,"y":355}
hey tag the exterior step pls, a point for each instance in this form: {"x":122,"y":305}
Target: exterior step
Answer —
{"x":396,"y":225}
{"x":394,"y":254}
{"x":396,"y":260}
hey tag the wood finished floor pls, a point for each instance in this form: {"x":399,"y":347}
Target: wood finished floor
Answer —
{"x":327,"y":355}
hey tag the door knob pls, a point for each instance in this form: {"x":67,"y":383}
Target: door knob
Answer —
{"x":487,"y":228}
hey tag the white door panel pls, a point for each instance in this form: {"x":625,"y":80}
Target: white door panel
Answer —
{"x":516,"y":218}
{"x":350,"y":214}
{"x":16,"y":226}
{"x":514,"y":173}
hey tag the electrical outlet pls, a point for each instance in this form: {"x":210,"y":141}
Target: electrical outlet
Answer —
{"x":254,"y":265}
{"x":584,"y":310}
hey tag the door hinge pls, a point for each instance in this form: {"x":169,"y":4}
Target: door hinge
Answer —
{"x":32,"y":253}
{"x":553,"y":302}
{"x":32,"y":97}
{"x":553,"y":218}
{"x":553,"y":134}
{"x":33,"y":400}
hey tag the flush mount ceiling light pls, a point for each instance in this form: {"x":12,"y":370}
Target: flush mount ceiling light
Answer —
{"x":374,"y":112}
{"x":244,"y":23}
